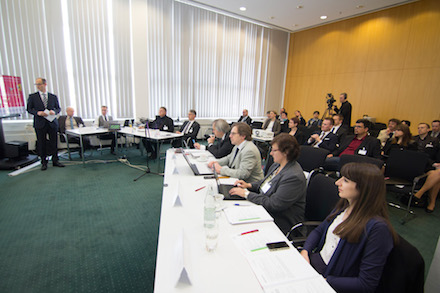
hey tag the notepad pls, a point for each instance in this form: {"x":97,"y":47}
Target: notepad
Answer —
{"x":247,"y":214}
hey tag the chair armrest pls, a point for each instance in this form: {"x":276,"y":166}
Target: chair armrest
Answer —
{"x":303,"y":224}
{"x":418,"y":178}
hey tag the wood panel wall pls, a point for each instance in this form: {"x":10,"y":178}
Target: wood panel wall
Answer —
{"x":388,"y":62}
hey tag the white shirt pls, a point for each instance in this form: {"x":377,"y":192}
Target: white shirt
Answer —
{"x":187,"y":127}
{"x":331,"y":240}
{"x":270,"y":126}
{"x":336,"y":128}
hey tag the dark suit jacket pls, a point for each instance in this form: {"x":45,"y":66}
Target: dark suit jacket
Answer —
{"x":163,"y":124}
{"x":345,"y":111}
{"x":276,"y":129}
{"x":300,"y":137}
{"x":222,"y":148}
{"x":248,"y":120}
{"x":192,"y":131}
{"x":342,"y":132}
{"x":286,"y":198}
{"x":35,"y":104}
{"x":328,"y":142}
{"x":62,"y":122}
{"x":371,"y":145}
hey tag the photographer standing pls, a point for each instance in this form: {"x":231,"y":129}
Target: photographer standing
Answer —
{"x":345,"y":109}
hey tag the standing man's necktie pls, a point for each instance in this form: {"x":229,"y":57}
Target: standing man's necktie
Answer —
{"x":71,"y":123}
{"x":45,"y":100}
{"x":105,"y":118}
{"x":236,"y":152}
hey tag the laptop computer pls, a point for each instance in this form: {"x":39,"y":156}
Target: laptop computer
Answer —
{"x":198,"y":169}
{"x":224,"y":189}
{"x":114,"y":126}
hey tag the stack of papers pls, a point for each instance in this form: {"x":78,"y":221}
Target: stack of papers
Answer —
{"x":279,"y":270}
{"x":247,"y":214}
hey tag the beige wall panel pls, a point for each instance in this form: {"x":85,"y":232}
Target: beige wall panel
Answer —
{"x":309,"y":94}
{"x":352,"y":84}
{"x":424,"y":39}
{"x":316,"y":51}
{"x":415,"y":98}
{"x":388,"y":62}
{"x":380,"y":95}
{"x":388,"y":35}
{"x":352,"y":40}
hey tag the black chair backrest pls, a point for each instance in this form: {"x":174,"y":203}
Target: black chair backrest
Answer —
{"x":257,"y":125}
{"x":311,"y":158}
{"x":404,"y":270}
{"x":269,"y":162}
{"x":322,"y":196}
{"x":307,"y":131}
{"x":405,"y":164}
{"x":378,"y":126}
{"x":345,"y":159}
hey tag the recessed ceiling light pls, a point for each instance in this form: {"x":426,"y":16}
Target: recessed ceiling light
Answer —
{"x":243,"y":8}
{"x":360,"y":6}
{"x":299,"y":7}
{"x":324,"y":17}
{"x":271,"y":17}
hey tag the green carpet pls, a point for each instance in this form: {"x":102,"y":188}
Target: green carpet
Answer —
{"x":78,"y":229}
{"x":94,"y":229}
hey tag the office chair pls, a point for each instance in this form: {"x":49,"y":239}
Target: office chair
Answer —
{"x":404,"y":270}
{"x":257,"y":125}
{"x":345,"y":159}
{"x":63,"y":142}
{"x":311,"y":158}
{"x":321,"y":198}
{"x":403,"y":173}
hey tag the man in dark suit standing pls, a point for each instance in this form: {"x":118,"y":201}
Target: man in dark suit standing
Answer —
{"x":44,"y":106}
{"x":189,"y":129}
{"x":224,"y":146}
{"x":70,"y":121}
{"x":324,"y":139}
{"x":245,"y":117}
{"x":345,"y":109}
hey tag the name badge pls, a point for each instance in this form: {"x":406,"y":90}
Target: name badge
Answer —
{"x":362,"y":152}
{"x":265,"y":187}
{"x":165,"y":127}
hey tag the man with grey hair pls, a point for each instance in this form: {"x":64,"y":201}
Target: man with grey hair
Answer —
{"x":70,"y":121}
{"x":189,"y":129}
{"x":220,"y":128}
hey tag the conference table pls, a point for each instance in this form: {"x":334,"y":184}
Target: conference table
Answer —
{"x":86,"y":131}
{"x":153,"y":135}
{"x":184,"y":265}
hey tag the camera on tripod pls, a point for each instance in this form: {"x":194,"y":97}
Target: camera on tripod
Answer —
{"x":330,"y":100}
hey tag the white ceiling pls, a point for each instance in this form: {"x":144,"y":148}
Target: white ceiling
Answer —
{"x":295,"y":15}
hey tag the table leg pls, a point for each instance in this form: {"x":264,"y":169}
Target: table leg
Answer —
{"x":82,"y":150}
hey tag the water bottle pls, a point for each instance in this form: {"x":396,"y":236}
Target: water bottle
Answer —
{"x":209,"y":219}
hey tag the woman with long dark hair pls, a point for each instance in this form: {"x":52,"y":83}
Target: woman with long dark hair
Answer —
{"x":402,"y":139}
{"x":351,"y":246}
